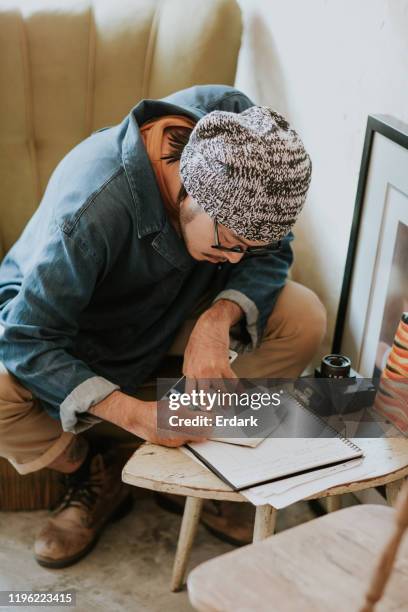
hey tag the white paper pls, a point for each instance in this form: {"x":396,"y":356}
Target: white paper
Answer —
{"x":295,"y":488}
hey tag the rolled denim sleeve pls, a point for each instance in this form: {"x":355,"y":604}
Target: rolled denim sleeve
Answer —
{"x":254,"y":284}
{"x":40,"y":325}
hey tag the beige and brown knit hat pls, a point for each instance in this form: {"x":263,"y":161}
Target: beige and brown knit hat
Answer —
{"x":249,"y":169}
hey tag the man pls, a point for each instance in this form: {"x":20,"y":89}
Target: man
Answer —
{"x":186,"y":200}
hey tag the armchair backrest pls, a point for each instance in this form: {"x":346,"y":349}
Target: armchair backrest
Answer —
{"x":69,"y":67}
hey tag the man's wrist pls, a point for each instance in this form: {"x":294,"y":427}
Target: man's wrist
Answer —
{"x":224,"y":312}
{"x":117,"y":408}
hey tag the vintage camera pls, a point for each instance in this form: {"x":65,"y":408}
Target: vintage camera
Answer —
{"x":335,"y":366}
{"x":335,"y":389}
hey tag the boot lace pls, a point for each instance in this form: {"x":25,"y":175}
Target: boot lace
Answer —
{"x":80,"y":491}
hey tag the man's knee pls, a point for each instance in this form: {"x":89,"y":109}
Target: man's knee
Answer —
{"x":300,"y":316}
{"x":314,"y":314}
{"x":29,"y":438}
{"x":15,"y":401}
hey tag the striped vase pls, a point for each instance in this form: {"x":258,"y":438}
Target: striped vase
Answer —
{"x":392,"y":395}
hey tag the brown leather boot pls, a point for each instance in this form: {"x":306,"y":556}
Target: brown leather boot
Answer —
{"x":95,"y":495}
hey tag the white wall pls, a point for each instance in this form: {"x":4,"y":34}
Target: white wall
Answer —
{"x":326,"y":65}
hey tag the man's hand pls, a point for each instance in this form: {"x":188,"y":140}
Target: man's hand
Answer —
{"x":140,"y":418}
{"x":206,"y":353}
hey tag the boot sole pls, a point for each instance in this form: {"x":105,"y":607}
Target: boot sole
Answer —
{"x":120,"y":511}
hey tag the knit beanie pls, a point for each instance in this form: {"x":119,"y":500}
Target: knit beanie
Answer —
{"x":249,"y":169}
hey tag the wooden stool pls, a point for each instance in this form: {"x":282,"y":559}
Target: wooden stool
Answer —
{"x":325,"y":564}
{"x":168,"y":470}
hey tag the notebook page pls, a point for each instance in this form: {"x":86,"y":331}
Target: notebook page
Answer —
{"x":273,"y":458}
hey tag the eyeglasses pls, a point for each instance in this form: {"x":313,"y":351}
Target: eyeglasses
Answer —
{"x":249,"y":251}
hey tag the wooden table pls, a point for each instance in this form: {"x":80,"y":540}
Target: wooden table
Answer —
{"x":169,"y":470}
{"x":323,"y":565}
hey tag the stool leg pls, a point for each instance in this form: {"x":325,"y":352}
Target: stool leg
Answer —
{"x":265,"y":521}
{"x":189,"y":524}
{"x":392,"y":489}
{"x":333,"y":503}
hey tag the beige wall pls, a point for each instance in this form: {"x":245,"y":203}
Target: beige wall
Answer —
{"x":326,"y":65}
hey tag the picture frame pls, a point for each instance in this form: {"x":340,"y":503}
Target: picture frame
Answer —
{"x":374,"y":291}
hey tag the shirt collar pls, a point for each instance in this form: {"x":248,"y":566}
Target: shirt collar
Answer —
{"x":150,"y":213}
{"x":151,"y":216}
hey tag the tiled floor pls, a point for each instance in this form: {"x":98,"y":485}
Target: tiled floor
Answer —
{"x":129,"y":570}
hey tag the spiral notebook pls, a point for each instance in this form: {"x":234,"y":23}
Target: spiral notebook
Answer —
{"x":278,"y":456}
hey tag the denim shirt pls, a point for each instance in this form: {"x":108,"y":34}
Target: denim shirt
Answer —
{"x":94,"y":290}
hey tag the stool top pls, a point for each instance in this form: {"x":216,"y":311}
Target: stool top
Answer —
{"x":169,"y":470}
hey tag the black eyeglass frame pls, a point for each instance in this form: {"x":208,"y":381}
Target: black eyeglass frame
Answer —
{"x":250,"y":251}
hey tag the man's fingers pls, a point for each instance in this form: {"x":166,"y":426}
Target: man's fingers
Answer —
{"x":177,"y":443}
{"x":172,"y":443}
{"x":220,"y":381}
{"x":186,"y":421}
{"x":235,"y":384}
{"x":204,"y":384}
{"x":183,"y":438}
{"x":229,"y":373}
{"x":190,"y":385}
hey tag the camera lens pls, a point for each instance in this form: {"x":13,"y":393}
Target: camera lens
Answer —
{"x":335,"y":366}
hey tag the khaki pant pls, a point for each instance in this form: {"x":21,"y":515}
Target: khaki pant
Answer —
{"x":30,"y":439}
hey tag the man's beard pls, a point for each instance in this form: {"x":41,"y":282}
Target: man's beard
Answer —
{"x":184,"y":220}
